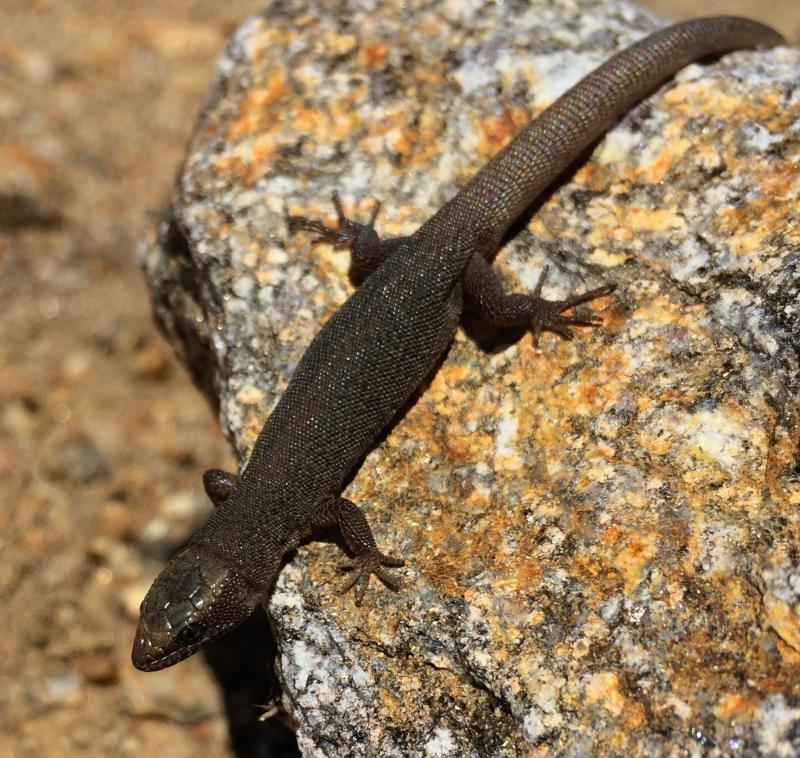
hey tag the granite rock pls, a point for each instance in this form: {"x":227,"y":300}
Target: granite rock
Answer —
{"x":602,"y":534}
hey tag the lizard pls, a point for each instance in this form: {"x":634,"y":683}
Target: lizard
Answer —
{"x":381,"y":344}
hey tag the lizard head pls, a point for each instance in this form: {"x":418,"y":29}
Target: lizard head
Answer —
{"x":193,"y":600}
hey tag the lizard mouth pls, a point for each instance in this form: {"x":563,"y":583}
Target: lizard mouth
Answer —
{"x":148,"y":655}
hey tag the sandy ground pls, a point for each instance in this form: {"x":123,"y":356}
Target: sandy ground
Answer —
{"x":102,"y":437}
{"x":784,"y":15}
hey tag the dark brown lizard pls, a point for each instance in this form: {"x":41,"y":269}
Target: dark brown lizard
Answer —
{"x":380,"y":345}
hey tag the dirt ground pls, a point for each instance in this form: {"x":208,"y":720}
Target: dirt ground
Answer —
{"x":102,"y":436}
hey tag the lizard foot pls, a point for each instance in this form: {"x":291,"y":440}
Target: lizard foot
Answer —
{"x":546,"y":314}
{"x":346,"y":234}
{"x":365,"y":565}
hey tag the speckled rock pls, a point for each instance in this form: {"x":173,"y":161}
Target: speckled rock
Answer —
{"x":602,"y":534}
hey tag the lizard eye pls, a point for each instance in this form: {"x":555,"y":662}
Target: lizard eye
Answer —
{"x":188,"y":636}
{"x":193,"y":600}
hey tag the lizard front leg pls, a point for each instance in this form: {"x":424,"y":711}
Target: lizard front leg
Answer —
{"x":483,"y":292}
{"x":355,"y":529}
{"x":367,"y":248}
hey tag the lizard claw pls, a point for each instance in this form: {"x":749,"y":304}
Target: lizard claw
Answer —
{"x":365,"y":565}
{"x":546,"y":314}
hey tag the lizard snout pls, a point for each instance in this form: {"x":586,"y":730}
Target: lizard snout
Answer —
{"x":193,"y":600}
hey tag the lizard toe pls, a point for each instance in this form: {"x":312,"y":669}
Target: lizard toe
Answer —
{"x":547,"y":315}
{"x":363,"y":567}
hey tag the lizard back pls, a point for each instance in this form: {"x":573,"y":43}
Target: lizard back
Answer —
{"x":356,"y":374}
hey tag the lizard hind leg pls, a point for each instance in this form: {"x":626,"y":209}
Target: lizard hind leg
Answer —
{"x":367,"y":248}
{"x":484,"y":293}
{"x":368,"y":560}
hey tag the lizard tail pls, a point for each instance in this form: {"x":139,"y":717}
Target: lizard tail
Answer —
{"x":543,"y":150}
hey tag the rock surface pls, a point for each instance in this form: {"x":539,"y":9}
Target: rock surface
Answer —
{"x":602,"y":534}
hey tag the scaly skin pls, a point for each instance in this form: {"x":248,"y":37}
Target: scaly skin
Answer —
{"x":381,"y":344}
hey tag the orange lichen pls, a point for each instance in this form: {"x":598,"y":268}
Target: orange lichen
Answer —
{"x":373,"y":54}
{"x":256,"y":114}
{"x":654,"y":171}
{"x":496,"y":131}
{"x":631,"y":560}
{"x":782,"y":618}
{"x":690,"y":99}
{"x":428,"y":76}
{"x":735,"y":706}
{"x":603,"y":689}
